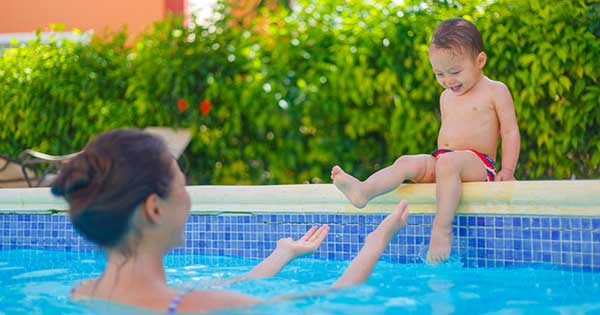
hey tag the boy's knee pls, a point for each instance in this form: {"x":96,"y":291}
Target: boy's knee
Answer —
{"x":403,"y":160}
{"x":411,"y":162}
{"x":446,"y":163}
{"x":415,"y":167}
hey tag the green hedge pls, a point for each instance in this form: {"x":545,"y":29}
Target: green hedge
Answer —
{"x":346,"y":84}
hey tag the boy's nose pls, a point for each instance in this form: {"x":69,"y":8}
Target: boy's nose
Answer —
{"x":450,"y":82}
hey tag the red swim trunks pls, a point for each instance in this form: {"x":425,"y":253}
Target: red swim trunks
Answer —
{"x":489,"y":164}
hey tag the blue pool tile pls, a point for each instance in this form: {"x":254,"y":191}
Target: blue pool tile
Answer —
{"x":471,"y":221}
{"x":586,"y":223}
{"x":546,"y":246}
{"x":586,"y":247}
{"x":546,"y":257}
{"x":480,"y":221}
{"x":498,"y":222}
{"x":517,"y":244}
{"x":361,"y":220}
{"x":499,"y":233}
{"x":545,"y":234}
{"x":428,"y":219}
{"x":518,"y":234}
{"x":489,"y":221}
{"x":497,"y":240}
{"x":517,"y":222}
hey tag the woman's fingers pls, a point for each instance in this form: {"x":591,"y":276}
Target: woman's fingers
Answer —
{"x":308,"y":234}
{"x":320,"y":234}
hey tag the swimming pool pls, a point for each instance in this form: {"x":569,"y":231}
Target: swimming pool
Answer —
{"x":30,"y":285}
{"x":519,"y":248}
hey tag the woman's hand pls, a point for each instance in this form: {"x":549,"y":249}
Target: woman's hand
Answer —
{"x":307,"y":244}
{"x":287,"y":249}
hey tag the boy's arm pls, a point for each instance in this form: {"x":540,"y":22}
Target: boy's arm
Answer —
{"x":509,"y":131}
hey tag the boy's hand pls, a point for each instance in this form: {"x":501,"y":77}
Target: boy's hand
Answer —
{"x":505,"y":175}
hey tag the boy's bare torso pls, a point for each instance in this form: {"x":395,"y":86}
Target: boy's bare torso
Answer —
{"x":469,"y":121}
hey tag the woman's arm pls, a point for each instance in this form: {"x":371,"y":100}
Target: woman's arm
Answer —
{"x":375,"y":243}
{"x":287,"y":250}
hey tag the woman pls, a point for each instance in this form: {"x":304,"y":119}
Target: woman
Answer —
{"x":127,"y":194}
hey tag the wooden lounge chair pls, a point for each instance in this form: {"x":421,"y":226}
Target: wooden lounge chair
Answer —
{"x":37,"y":169}
{"x":13,"y":174}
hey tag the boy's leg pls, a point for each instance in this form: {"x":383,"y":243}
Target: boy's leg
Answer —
{"x":451,"y":170}
{"x":420,"y":168}
{"x":362,"y":265}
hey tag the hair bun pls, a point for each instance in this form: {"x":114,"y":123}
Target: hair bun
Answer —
{"x":75,"y":175}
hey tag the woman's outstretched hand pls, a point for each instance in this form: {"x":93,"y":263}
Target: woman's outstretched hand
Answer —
{"x":287,"y":249}
{"x":307,"y":244}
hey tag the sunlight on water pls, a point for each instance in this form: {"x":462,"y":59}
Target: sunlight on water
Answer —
{"x":30,"y":285}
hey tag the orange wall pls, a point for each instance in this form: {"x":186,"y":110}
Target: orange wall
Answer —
{"x":27,"y":15}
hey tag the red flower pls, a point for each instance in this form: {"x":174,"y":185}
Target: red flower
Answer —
{"x":182,"y":105}
{"x":205,"y":107}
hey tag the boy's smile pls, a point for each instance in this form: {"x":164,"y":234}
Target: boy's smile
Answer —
{"x":457,"y":71}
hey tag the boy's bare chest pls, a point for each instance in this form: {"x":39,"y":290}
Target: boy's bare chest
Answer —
{"x":479,"y":108}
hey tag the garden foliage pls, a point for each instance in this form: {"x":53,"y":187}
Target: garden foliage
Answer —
{"x":282,"y":101}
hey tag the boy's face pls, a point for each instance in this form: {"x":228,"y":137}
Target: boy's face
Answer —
{"x":456,"y":70}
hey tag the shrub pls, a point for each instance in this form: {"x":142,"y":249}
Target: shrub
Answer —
{"x":296,"y":92}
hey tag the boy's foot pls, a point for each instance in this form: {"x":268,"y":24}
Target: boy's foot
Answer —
{"x":395,"y":220}
{"x":439,"y":245}
{"x":350,"y":186}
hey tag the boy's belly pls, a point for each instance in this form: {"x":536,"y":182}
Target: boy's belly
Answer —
{"x":479,"y":141}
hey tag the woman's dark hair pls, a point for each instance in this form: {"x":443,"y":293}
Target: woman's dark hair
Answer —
{"x":109,"y":179}
{"x":458,"y":33}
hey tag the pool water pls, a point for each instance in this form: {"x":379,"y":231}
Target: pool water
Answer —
{"x":38,"y":282}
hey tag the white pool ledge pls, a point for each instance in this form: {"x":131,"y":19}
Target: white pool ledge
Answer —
{"x":580,"y":197}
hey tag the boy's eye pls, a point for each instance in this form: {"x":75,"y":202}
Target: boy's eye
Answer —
{"x":439,"y":74}
{"x":454,"y":73}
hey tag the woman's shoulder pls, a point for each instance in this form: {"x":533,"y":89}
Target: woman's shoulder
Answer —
{"x":82,"y":288}
{"x":209,"y":300}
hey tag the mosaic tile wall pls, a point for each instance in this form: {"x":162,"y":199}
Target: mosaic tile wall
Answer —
{"x":480,"y":241}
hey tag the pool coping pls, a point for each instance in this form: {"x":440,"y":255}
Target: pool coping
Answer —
{"x":555,"y":197}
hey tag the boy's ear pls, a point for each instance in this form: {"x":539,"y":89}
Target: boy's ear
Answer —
{"x":151,"y":209}
{"x":481,"y":60}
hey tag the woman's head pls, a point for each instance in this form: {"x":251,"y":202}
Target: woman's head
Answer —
{"x":115,"y":174}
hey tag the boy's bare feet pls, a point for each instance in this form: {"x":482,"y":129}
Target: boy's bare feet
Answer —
{"x":439,"y":245}
{"x":350,"y":186}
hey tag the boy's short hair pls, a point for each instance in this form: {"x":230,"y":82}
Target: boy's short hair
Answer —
{"x":458,"y":34}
